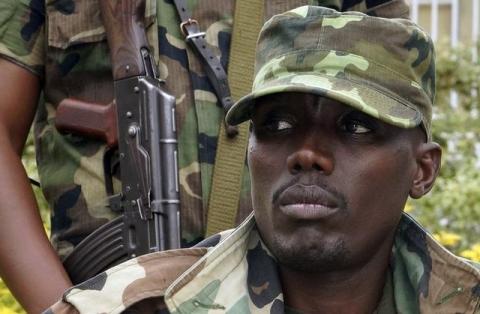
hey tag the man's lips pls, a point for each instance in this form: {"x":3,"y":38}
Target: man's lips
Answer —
{"x":308,"y":202}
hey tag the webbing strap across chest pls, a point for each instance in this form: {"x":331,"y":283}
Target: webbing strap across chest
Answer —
{"x":232,"y":142}
{"x":231,"y":152}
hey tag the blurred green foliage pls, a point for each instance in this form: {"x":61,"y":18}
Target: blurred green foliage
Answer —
{"x":452,"y":210}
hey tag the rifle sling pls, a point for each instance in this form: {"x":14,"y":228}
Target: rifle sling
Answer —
{"x":232,"y":143}
{"x":211,"y":63}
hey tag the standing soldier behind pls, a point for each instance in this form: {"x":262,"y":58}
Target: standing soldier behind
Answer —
{"x":58,"y":49}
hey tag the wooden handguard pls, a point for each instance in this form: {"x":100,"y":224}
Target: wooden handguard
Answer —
{"x":124,"y":21}
{"x":91,"y":120}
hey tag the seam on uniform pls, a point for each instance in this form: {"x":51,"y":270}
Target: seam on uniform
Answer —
{"x":20,"y":63}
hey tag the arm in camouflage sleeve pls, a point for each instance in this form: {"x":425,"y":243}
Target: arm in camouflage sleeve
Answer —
{"x":28,"y":263}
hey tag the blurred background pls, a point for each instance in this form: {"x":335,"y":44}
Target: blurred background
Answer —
{"x":451,"y":212}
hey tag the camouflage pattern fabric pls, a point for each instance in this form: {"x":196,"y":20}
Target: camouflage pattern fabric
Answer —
{"x":239,"y":275}
{"x":390,"y":76}
{"x":63,"y":42}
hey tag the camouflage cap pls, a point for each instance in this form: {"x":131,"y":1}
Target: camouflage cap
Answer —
{"x":383,"y":67}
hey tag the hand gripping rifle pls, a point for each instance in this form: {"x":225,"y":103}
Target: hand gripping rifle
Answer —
{"x":147,"y":147}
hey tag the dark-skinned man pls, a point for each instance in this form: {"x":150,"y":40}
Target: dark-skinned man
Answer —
{"x":341,"y":118}
{"x":58,"y":49}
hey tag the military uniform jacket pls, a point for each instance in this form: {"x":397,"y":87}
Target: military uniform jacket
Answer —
{"x":64,"y":43}
{"x":239,"y":275}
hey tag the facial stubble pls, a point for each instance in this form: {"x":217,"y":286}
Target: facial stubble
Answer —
{"x":310,"y":256}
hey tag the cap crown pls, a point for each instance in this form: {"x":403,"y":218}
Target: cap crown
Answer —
{"x":384,"y":67}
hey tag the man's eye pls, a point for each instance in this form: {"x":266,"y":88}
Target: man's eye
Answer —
{"x":278,"y":125}
{"x":355,"y":127}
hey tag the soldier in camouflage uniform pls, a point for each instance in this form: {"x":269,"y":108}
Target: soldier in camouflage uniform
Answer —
{"x":341,"y":110}
{"x":59,"y":47}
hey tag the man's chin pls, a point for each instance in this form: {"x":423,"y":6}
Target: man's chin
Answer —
{"x":311,"y":257}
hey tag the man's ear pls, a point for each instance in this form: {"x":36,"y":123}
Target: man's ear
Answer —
{"x":428,"y":159}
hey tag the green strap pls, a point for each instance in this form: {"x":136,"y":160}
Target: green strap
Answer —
{"x":230,"y":157}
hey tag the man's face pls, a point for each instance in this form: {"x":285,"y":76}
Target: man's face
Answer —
{"x":328,"y":182}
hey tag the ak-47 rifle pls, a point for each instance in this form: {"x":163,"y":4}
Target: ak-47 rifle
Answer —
{"x":144,"y":128}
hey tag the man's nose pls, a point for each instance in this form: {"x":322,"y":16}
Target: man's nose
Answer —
{"x":311,"y":158}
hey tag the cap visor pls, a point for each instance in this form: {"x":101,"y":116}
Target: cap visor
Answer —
{"x":368,"y":99}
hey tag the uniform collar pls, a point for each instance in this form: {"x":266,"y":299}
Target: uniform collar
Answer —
{"x":240,"y":273}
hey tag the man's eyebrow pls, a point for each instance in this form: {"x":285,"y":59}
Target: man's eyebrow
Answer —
{"x":274,"y":99}
{"x":281,"y":109}
{"x":273,"y":105}
{"x":358,"y":112}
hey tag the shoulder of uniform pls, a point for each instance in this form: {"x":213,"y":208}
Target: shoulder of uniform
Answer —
{"x":126,"y":284}
{"x":431,"y":267}
{"x":213,"y":240}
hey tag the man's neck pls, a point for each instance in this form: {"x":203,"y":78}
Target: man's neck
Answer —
{"x":349,"y":291}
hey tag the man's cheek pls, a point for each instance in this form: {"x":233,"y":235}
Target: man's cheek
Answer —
{"x":262,"y":169}
{"x":385,"y":190}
